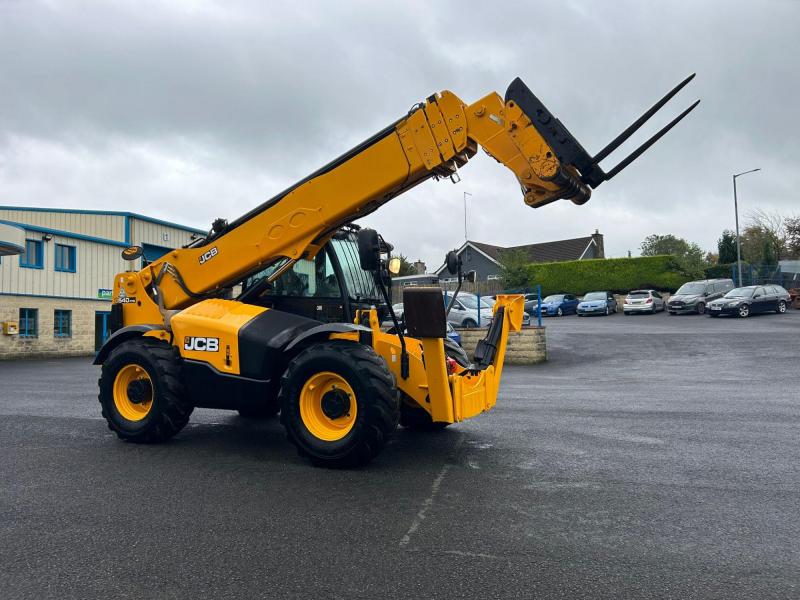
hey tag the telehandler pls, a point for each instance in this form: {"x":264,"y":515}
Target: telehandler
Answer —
{"x":280,"y":310}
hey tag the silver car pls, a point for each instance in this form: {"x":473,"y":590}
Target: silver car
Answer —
{"x":465,"y":311}
{"x":643,"y":301}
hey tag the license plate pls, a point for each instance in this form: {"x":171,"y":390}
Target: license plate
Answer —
{"x":716,"y":308}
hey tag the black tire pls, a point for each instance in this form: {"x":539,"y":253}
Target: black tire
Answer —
{"x":376,"y":398}
{"x":559,"y":312}
{"x":608,"y":310}
{"x":469,"y":324}
{"x":265,"y":410}
{"x":701,"y":308}
{"x":744,"y":311}
{"x":170,"y":408}
{"x":781,"y":307}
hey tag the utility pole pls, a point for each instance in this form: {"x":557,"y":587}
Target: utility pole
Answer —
{"x":465,"y":214}
{"x":736,"y":212}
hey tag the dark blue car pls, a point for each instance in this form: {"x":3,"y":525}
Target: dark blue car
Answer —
{"x":559,"y":305}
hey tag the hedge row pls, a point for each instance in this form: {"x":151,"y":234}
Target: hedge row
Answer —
{"x":615,"y":274}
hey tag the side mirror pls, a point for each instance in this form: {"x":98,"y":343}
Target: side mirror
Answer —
{"x":756,"y":295}
{"x":132,"y":252}
{"x":394,"y":266}
{"x":369,"y":250}
{"x":452,"y":262}
{"x":470,"y":276}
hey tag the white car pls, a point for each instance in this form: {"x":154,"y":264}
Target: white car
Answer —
{"x":643,"y":301}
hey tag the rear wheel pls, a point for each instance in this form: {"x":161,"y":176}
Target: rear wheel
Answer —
{"x":781,"y":307}
{"x":469,"y":323}
{"x":141,"y":394}
{"x":339,"y":404}
{"x":701,"y":308}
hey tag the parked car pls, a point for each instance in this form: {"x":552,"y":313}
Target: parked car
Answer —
{"x":559,"y":305}
{"x":597,"y":303}
{"x":694,"y":296}
{"x":643,"y":301}
{"x":752,"y":299}
{"x":531,"y":302}
{"x":453,"y":334}
{"x":492,"y":300}
{"x":465,"y":311}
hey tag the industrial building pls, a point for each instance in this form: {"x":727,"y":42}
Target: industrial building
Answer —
{"x":55,"y":295}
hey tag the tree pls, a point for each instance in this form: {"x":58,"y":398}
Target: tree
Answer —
{"x":687,"y":256}
{"x":514,"y":268}
{"x":406,"y":267}
{"x":772,"y":228}
{"x":657,"y":245}
{"x":726,"y":246}
{"x":792,"y":240}
{"x":755,"y":240}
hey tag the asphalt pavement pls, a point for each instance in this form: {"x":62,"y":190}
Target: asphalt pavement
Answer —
{"x":650,"y":457}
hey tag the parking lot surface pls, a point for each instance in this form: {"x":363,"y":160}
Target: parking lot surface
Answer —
{"x":650,"y":457}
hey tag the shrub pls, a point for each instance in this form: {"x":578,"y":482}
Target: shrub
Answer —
{"x":615,"y":274}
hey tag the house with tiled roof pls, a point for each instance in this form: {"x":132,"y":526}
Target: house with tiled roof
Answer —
{"x":485,"y":258}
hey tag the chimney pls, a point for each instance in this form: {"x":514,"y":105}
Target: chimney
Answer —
{"x":420,"y":267}
{"x":598,"y":239}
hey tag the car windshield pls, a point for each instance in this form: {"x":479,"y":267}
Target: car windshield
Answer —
{"x":691,"y":289}
{"x":740,"y":293}
{"x":639,"y":294}
{"x":472,"y":302}
{"x":558,"y":298}
{"x":594,"y":296}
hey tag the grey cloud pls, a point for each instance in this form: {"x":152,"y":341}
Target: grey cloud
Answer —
{"x":190,"y":111}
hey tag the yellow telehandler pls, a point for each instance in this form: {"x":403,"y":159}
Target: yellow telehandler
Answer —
{"x":280,"y":310}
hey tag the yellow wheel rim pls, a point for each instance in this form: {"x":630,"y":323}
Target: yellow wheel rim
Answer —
{"x":133,"y":392}
{"x":328,"y":406}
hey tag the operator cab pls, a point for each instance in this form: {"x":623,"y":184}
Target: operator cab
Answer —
{"x":328,"y":288}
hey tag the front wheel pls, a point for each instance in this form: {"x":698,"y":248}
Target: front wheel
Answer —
{"x":608,"y":311}
{"x":559,"y":312}
{"x":781,"y":307}
{"x":142,"y":397}
{"x":339,"y":404}
{"x":744,"y":311}
{"x":701,"y":308}
{"x":469,"y":324}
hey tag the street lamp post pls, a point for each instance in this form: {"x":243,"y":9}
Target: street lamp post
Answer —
{"x":736,"y":211}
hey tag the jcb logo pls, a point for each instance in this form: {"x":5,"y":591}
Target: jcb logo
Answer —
{"x":201,"y":344}
{"x":208,"y":255}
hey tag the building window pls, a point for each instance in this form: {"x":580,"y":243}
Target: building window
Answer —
{"x":32,"y":257}
{"x":62,"y":323}
{"x":28,"y":322}
{"x":65,"y":258}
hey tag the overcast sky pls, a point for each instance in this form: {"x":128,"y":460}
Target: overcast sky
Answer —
{"x":191,"y":110}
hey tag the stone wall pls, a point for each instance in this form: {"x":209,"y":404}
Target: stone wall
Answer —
{"x":526,"y":347}
{"x":46,"y":344}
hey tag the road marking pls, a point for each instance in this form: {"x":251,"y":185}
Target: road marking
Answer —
{"x":426,"y":504}
{"x":470,"y":554}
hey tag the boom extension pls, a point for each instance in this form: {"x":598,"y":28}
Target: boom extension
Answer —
{"x":434,"y":140}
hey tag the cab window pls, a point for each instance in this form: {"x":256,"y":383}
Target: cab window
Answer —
{"x":308,"y":279}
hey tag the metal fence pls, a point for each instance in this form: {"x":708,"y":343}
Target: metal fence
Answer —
{"x":765,"y":274}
